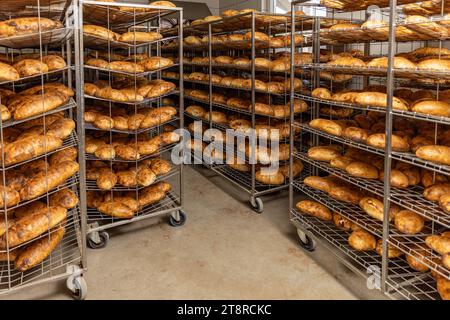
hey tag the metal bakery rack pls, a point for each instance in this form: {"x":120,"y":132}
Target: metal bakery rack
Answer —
{"x":200,"y":58}
{"x":42,"y":254}
{"x":393,"y":276}
{"x":135,"y":19}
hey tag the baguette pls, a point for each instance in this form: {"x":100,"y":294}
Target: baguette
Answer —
{"x":362,"y":170}
{"x":328,"y":126}
{"x":42,"y":182}
{"x":116,"y":209}
{"x":37,"y":251}
{"x":28,"y":25}
{"x":65,"y":198}
{"x":37,"y":104}
{"x":33,"y":225}
{"x":435,"y":153}
{"x":314,"y":209}
{"x":30,"y":147}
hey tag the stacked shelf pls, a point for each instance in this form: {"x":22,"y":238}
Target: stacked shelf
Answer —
{"x":247,"y":27}
{"x":397,"y":276}
{"x":40,"y":146}
{"x":137,"y":176}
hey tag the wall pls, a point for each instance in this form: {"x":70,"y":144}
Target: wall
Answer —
{"x":240,"y":4}
{"x":213,"y":5}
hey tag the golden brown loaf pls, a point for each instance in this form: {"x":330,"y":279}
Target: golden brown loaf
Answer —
{"x":38,"y":250}
{"x":392,"y":251}
{"x":378,"y":140}
{"x":30,"y":67}
{"x":139,"y":37}
{"x":323,"y":153}
{"x":439,"y":243}
{"x":435,"y":153}
{"x":54,"y":62}
{"x":433,"y":107}
{"x":409,"y":222}
{"x":22,"y":26}
{"x":399,"y":63}
{"x":8,"y":73}
{"x":378,"y":99}
{"x":328,"y":126}
{"x":361,"y":240}
{"x":33,"y":225}
{"x":314,"y":209}
{"x":37,"y":104}
{"x":434,"y":64}
{"x":100,"y":32}
{"x":362,"y":170}
{"x":320,"y":183}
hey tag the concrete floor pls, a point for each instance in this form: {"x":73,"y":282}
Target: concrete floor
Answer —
{"x":225,"y":251}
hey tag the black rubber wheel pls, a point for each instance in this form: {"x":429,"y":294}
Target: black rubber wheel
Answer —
{"x":104,"y":239}
{"x":179,"y":223}
{"x":309,"y":245}
{"x":257,"y":204}
{"x":77,"y":287}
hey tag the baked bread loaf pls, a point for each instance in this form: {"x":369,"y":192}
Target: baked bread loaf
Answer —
{"x":398,"y":179}
{"x":348,"y":62}
{"x":100,"y":32}
{"x":399,"y":63}
{"x":156,"y":63}
{"x":436,"y":191}
{"x":361,"y":240}
{"x":30,"y":147}
{"x":328,"y":126}
{"x":272,"y":177}
{"x":379,"y":99}
{"x":54,"y":62}
{"x":418,"y":257}
{"x":439,"y":243}
{"x":444,"y":202}
{"x":356,"y":134}
{"x":378,"y":140}
{"x":434,"y":64}
{"x":362,"y":170}
{"x":28,"y":25}
{"x":314,"y":209}
{"x":435,"y":153}
{"x":42,"y":183}
{"x":320,"y":183}
{"x":30,"y":67}
{"x":8,"y":73}
{"x":374,"y":208}
{"x":348,"y":194}
{"x":433,"y":107}
{"x":65,"y":198}
{"x":137,"y":36}
{"x":33,"y":225}
{"x":409,"y":222}
{"x":321,"y":93}
{"x":392,"y":251}
{"x":341,"y":162}
{"x":323,"y":153}
{"x":38,"y":250}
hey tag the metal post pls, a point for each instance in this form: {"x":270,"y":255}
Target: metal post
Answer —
{"x":79,"y":79}
{"x":388,"y":148}
{"x":291,"y":119}
{"x":252,"y":146}
{"x":181,"y":108}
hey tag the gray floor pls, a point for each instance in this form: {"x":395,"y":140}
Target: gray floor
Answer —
{"x":225,"y":251}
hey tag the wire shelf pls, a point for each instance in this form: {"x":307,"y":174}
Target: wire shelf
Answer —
{"x":9,"y":123}
{"x":110,"y":15}
{"x":380,"y":72}
{"x":411,"y":198}
{"x":145,"y":101}
{"x":153,"y":129}
{"x":236,"y":67}
{"x":244,"y":180}
{"x":137,"y":75}
{"x":170,"y":202}
{"x":92,"y":157}
{"x":91,"y":185}
{"x":91,"y":41}
{"x":409,"y":114}
{"x":35,"y":40}
{"x":26,"y":79}
{"x":215,"y":85}
{"x":71,"y":141}
{"x":72,"y":181}
{"x":402,"y":281}
{"x":308,"y":128}
{"x":67,"y":253}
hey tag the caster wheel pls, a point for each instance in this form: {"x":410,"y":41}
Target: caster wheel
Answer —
{"x":98,"y":240}
{"x":257,"y":204}
{"x":178,"y":223}
{"x":77,"y":285}
{"x":306,"y":242}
